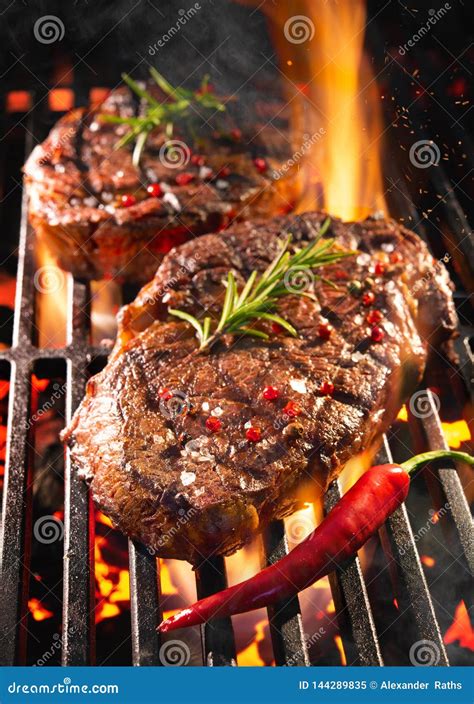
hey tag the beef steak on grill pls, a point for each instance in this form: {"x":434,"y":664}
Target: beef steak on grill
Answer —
{"x":76,"y":177}
{"x":140,"y":434}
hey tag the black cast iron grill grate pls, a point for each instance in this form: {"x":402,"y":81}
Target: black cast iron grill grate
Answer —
{"x":290,"y":644}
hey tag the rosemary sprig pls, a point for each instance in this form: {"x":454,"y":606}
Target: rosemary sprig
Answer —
{"x":182,"y":105}
{"x":259,"y":296}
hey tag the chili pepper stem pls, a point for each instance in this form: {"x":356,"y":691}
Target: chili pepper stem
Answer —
{"x":414,"y":463}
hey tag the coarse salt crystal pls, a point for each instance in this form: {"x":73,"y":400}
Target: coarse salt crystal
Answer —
{"x":187,"y":478}
{"x":298,"y":385}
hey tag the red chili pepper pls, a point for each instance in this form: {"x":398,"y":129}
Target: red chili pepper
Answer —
{"x":354,"y":519}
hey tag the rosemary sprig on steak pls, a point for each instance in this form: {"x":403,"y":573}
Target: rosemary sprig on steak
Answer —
{"x":183,"y":104}
{"x":258,"y":298}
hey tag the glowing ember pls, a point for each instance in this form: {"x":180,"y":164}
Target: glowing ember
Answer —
{"x":455,"y":433}
{"x":461,"y":629}
{"x":427,"y":561}
{"x":340,"y":647}
{"x":102,"y":518}
{"x":61,"y":99}
{"x":250,"y":656}
{"x":18,"y":101}
{"x":38,"y":611}
{"x":403,"y":413}
{"x":113,"y":584}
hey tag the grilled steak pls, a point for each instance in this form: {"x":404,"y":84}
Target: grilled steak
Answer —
{"x":76,"y":179}
{"x":140,"y":434}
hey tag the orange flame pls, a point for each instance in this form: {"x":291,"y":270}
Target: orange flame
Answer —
{"x":455,"y":433}
{"x":340,"y":647}
{"x":461,"y":629}
{"x":112,"y":582}
{"x":51,"y":285}
{"x":250,"y":656}
{"x":331,"y":92}
{"x":38,"y":611}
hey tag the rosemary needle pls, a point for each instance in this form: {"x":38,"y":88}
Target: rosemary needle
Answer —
{"x":259,"y":295}
{"x":181,"y":105}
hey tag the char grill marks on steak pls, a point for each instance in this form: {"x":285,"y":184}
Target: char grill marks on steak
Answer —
{"x":76,"y":177}
{"x":140,"y":434}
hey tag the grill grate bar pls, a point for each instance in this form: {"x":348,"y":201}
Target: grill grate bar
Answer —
{"x":79,"y":584}
{"x":410,"y":585}
{"x":16,"y":514}
{"x":286,"y":627}
{"x":217,"y":635}
{"x":145,"y":598}
{"x":446,"y":488}
{"x":353,"y":608}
